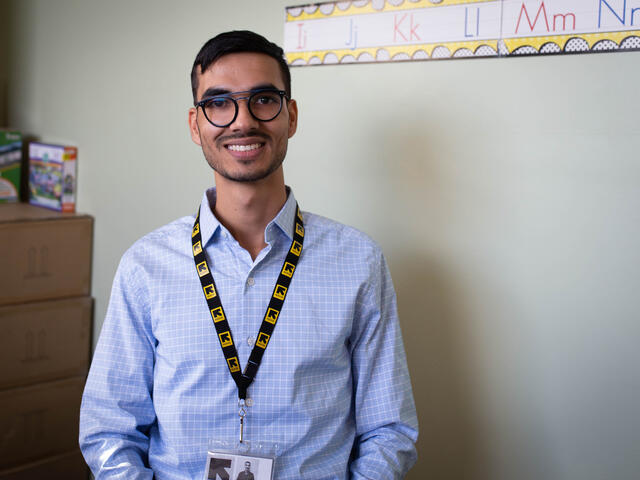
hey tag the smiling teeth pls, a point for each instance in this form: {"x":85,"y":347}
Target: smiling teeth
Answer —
{"x":243,"y":148}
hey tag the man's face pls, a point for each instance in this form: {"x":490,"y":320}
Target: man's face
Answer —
{"x":247,"y":466}
{"x":248,"y":150}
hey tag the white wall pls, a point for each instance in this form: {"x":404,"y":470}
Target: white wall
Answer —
{"x":5,"y":14}
{"x":504,"y":192}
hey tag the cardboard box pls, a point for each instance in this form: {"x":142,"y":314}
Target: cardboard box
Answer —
{"x":39,"y":421}
{"x":69,"y":466}
{"x":52,"y":176}
{"x":43,"y":254}
{"x":10,"y":165}
{"x":44,"y":341}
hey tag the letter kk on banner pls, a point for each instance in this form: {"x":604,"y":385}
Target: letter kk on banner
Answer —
{"x":397,"y":30}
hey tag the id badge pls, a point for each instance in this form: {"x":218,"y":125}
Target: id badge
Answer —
{"x":240,"y":461}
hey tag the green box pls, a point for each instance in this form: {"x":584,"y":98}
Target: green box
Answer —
{"x":10,"y":163}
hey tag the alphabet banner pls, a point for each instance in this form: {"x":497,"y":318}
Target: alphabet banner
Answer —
{"x":400,"y":30}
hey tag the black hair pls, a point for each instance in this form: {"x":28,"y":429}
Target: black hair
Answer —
{"x":234,"y":42}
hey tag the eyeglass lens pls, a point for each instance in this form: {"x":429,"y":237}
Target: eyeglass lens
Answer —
{"x":222,"y":110}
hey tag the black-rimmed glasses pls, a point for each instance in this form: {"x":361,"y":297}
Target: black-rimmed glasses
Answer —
{"x":264,"y":105}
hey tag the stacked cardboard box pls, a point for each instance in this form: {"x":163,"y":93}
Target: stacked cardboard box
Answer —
{"x":45,"y":340}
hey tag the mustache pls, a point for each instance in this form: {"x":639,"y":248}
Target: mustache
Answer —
{"x":241,"y":135}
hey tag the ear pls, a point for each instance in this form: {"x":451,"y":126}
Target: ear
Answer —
{"x":193,"y":126}
{"x":292,"y":106}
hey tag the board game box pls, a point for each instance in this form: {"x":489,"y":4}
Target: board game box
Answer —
{"x":10,"y":165}
{"x":52,"y":176}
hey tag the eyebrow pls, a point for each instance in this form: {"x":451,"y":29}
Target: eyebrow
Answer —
{"x":213,"y":91}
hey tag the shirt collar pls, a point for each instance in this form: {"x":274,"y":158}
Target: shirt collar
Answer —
{"x":209,"y":224}
{"x":286,"y":215}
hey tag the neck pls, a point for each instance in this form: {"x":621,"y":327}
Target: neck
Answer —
{"x":246,"y":209}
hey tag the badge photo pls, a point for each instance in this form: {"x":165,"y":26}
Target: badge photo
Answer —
{"x":228,"y":466}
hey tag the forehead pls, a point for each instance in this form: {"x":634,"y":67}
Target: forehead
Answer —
{"x":241,"y":71}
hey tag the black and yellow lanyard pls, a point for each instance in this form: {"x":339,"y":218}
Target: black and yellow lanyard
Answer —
{"x":244,"y":379}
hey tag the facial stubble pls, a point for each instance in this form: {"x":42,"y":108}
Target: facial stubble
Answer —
{"x":213,"y":155}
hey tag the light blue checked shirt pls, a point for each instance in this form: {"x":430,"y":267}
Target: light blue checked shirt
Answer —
{"x":333,"y":390}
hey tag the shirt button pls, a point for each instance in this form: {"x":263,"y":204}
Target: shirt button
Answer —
{"x":250,"y":341}
{"x":251,"y":281}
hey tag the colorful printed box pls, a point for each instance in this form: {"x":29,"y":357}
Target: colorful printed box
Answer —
{"x":10,"y":162}
{"x":52,"y":176}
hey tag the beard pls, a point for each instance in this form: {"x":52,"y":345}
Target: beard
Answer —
{"x":214,"y":155}
{"x":244,"y":177}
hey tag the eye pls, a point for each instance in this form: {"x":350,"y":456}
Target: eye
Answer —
{"x":218,"y":103}
{"x":266,"y":98}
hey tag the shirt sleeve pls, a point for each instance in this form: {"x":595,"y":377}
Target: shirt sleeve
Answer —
{"x":117,"y":408}
{"x":386,"y":421}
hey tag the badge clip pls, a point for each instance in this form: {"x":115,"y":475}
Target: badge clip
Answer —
{"x":242,"y":412}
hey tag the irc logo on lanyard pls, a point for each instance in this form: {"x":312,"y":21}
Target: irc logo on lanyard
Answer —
{"x":244,"y":379}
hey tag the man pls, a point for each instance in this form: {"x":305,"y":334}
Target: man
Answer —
{"x":331,"y":394}
{"x":246,"y":474}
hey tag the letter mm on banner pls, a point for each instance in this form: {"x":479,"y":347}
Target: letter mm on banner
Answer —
{"x":400,"y":30}
{"x":569,"y":26}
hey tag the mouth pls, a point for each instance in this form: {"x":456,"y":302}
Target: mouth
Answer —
{"x":244,"y":148}
{"x":234,"y":147}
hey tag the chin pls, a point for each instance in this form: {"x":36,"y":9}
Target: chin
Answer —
{"x":247,"y":176}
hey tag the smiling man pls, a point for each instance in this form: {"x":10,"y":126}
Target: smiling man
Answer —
{"x":251,"y":321}
{"x":246,"y":473}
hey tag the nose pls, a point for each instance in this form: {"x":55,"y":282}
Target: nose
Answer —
{"x":244,"y":120}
